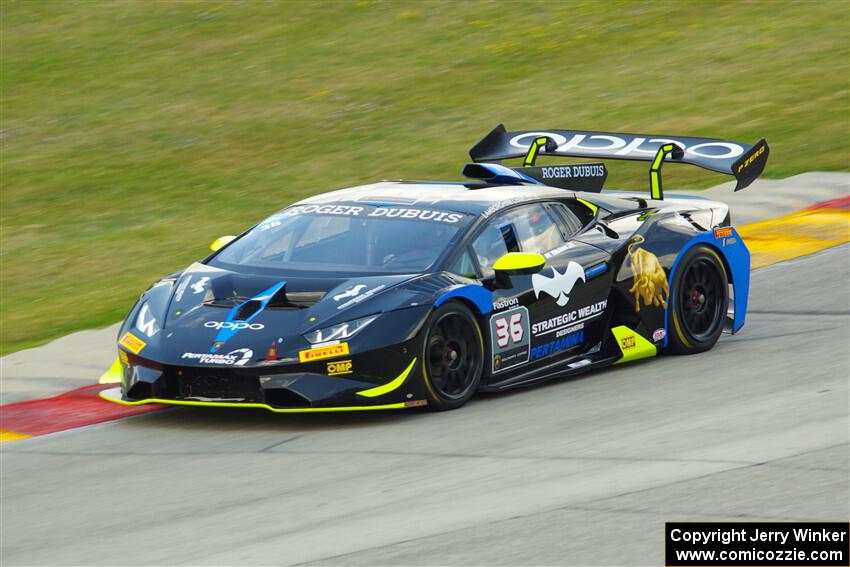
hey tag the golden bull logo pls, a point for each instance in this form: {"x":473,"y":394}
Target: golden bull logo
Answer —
{"x":650,"y":281}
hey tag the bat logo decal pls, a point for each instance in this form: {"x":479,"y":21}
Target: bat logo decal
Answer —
{"x":558,"y":286}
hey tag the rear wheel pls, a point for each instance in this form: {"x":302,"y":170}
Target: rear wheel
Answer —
{"x":699,"y":299}
{"x":452,"y":355}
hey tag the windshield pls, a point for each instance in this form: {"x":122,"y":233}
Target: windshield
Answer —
{"x":346,"y":238}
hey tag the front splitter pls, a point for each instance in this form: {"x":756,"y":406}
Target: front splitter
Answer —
{"x":114,"y":395}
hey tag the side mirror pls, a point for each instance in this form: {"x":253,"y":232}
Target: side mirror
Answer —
{"x":221,"y":242}
{"x":517,"y":264}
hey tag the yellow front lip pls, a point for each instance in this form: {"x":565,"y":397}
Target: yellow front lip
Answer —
{"x":114,"y":395}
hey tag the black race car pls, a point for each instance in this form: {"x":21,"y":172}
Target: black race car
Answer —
{"x":407,"y":294}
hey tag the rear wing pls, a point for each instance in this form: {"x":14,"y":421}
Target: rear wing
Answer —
{"x":743,"y":161}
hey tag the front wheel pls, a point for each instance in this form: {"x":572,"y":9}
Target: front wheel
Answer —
{"x":452,"y":356}
{"x":699,"y":299}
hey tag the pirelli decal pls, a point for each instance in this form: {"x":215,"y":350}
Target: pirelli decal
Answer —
{"x":330,"y":351}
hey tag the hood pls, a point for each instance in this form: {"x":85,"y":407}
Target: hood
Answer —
{"x":210,"y":315}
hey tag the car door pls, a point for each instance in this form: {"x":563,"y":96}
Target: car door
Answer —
{"x":545,"y":317}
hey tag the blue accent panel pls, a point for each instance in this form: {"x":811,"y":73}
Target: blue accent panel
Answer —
{"x":263,"y":297}
{"x":594,"y":271}
{"x":737,"y":256}
{"x":480,"y":296}
{"x":502,"y":174}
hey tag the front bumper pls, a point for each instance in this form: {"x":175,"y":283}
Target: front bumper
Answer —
{"x":385,"y":379}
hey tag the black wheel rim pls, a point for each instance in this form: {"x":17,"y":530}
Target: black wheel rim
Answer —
{"x":701,"y":297}
{"x":452,"y":356}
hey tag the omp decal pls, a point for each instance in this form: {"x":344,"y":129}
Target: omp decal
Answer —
{"x":558,"y":286}
{"x":556,"y":346}
{"x":329,"y":351}
{"x":350,"y":292}
{"x":479,"y":296}
{"x":114,"y":395}
{"x":632,"y":345}
{"x":650,"y":281}
{"x":226,"y":333}
{"x":510,"y":338}
{"x":737,"y":260}
{"x":145,"y":321}
{"x":340,"y":367}
{"x":132,"y":343}
{"x":560,"y":322}
{"x":389,"y":386}
{"x":722,"y":232}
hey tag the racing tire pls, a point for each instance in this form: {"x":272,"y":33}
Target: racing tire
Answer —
{"x":452,"y":356}
{"x":699,"y":298}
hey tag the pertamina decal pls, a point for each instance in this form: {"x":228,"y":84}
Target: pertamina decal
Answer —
{"x":339,"y":367}
{"x":509,"y":332}
{"x":330,"y":351}
{"x":133,"y":343}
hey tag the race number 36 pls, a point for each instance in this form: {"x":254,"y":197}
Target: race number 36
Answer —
{"x":509,"y":329}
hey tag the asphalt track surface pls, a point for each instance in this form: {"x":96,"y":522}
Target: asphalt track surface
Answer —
{"x":581,"y":471}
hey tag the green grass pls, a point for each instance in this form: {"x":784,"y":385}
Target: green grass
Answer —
{"x":134,"y":133}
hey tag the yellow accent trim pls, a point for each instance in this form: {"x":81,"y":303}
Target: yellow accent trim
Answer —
{"x":795,"y":235}
{"x":531,"y":156}
{"x":221,"y":242}
{"x":519,"y":261}
{"x":593,"y":208}
{"x":7,"y":436}
{"x":632,"y":345}
{"x":389,"y":386}
{"x":654,"y":176}
{"x":105,"y":394}
{"x":330,"y":351}
{"x":113,"y":375}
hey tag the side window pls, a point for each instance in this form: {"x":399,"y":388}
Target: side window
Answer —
{"x":464,"y":266}
{"x":498,"y":238}
{"x":569,"y":220}
{"x":536,"y":229}
{"x":530,"y":228}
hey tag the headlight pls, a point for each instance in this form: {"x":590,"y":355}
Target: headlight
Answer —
{"x":339,"y":332}
{"x":146,"y":322}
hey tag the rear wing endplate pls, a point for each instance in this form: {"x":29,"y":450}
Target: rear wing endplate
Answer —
{"x":743,"y":161}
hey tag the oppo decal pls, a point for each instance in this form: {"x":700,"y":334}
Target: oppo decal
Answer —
{"x":238,"y":325}
{"x":618,"y":146}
